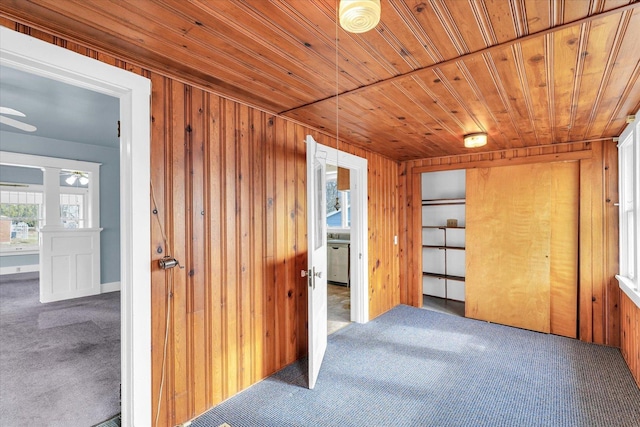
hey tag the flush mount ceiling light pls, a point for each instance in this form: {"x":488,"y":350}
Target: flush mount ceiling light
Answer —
{"x":359,"y":16}
{"x":474,"y":140}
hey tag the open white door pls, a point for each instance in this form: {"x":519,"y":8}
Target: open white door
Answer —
{"x":317,"y":258}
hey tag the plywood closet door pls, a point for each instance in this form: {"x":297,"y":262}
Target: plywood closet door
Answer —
{"x":509,"y":245}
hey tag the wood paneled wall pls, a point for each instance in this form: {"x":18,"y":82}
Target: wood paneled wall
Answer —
{"x":630,"y":335}
{"x":229,"y":192}
{"x":599,"y":294}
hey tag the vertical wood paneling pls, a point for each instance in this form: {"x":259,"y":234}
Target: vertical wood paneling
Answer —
{"x":598,"y":245}
{"x":301,"y":240}
{"x":585,"y":310}
{"x":416,"y":238}
{"x":215,"y":224}
{"x":257,"y":249}
{"x":271,"y":353}
{"x":230,"y":254}
{"x":196,"y":131}
{"x":611,"y":238}
{"x":177,"y":230}
{"x":403,"y":227}
{"x":630,"y":335}
{"x":243,"y":212}
{"x":289,"y":213}
{"x":159,"y":221}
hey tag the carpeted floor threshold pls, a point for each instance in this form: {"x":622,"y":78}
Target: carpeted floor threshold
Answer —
{"x":111,"y":422}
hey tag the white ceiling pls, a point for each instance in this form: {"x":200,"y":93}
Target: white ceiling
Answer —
{"x":59,"y":111}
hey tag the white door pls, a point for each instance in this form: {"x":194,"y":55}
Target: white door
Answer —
{"x":317,"y":258}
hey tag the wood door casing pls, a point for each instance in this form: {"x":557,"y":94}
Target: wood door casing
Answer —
{"x":565,"y":202}
{"x":522,"y":246}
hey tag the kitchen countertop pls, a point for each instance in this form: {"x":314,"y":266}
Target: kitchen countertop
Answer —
{"x":338,"y":242}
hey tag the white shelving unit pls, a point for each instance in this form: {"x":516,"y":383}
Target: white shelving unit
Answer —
{"x":443,"y":247}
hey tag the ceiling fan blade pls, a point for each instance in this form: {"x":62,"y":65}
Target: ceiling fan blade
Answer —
{"x":16,"y":124}
{"x":11,"y":112}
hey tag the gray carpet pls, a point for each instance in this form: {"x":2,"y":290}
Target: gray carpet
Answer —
{"x":59,"y":362}
{"x":414,"y":367}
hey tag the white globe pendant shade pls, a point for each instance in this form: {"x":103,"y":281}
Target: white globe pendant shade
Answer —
{"x":359,"y":16}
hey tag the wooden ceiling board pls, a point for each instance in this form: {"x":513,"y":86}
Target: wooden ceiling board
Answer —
{"x":508,"y":78}
{"x":281,"y":66}
{"x":485,"y":103}
{"x":563,"y":66}
{"x":528,"y":72}
{"x":534,"y":61}
{"x":573,"y":10}
{"x":501,"y":20}
{"x":608,"y":116}
{"x":441,"y":42}
{"x":539,"y":15}
{"x":400,"y":132}
{"x":470,"y":34}
{"x":223,"y":58}
{"x":597,"y":57}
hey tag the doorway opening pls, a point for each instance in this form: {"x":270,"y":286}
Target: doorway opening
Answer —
{"x":338,"y":211}
{"x":31,"y":55}
{"x":347,"y":254}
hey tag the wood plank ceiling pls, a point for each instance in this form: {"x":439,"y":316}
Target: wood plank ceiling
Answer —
{"x":528,"y":72}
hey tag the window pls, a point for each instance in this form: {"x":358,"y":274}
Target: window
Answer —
{"x":20,"y":220}
{"x":72,"y":210}
{"x":338,"y":204}
{"x":629,"y":166}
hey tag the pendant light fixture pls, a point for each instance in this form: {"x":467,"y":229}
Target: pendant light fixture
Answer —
{"x":474,"y":140}
{"x":79,"y":177}
{"x":359,"y":16}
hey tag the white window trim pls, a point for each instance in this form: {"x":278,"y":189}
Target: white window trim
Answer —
{"x":630,"y":286}
{"x":22,"y":250}
{"x":55,"y":164}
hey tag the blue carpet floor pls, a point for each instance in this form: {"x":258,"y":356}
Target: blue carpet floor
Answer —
{"x":414,"y":367}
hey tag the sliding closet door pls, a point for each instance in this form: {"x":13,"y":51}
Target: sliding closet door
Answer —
{"x":521,"y":246}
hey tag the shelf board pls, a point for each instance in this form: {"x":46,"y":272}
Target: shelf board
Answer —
{"x":443,"y":227}
{"x":441,"y":202}
{"x":458,"y":248}
{"x":443,"y":276}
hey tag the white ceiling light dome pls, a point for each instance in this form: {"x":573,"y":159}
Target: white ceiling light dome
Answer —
{"x":474,"y":140}
{"x":359,"y":16}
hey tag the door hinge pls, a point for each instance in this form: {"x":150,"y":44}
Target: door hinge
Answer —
{"x":118,"y":128}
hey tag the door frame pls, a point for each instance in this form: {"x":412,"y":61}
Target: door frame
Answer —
{"x":359,"y":256}
{"x":35,"y":56}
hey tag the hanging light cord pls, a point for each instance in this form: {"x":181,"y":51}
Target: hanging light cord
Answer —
{"x":169,"y":298}
{"x":337,"y":205}
{"x":337,"y":86}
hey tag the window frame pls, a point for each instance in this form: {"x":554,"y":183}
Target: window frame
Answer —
{"x":24,"y":249}
{"x":345,"y":204}
{"x":84,"y":192}
{"x":629,"y":203}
